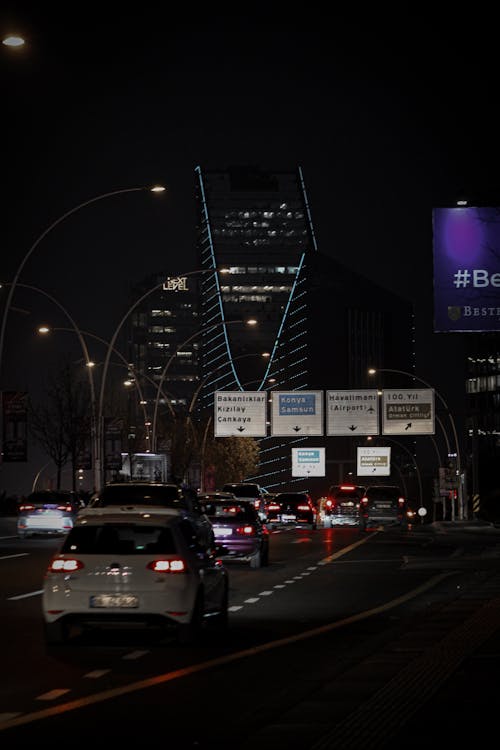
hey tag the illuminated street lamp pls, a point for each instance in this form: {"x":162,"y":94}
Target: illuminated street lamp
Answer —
{"x":14,"y":41}
{"x":462,"y":510}
{"x":111,"y":348}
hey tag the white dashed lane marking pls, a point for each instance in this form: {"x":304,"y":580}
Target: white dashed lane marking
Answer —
{"x":96,"y":674}
{"x":52,"y":694}
{"x":135,"y":655}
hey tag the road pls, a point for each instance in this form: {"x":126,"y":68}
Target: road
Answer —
{"x":346,"y":640}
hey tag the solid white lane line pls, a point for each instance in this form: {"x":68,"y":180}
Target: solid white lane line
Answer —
{"x":19,"y":554}
{"x":7,"y":716}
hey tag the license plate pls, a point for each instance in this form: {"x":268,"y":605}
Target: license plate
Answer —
{"x":347,"y":505}
{"x":114,"y":600}
{"x":384,"y":505}
{"x":219,"y":531}
{"x":288,"y":518}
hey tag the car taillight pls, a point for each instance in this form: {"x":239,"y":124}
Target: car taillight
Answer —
{"x":67,"y":565}
{"x":347,"y":487}
{"x":401,"y":501}
{"x":257,"y":504}
{"x":167,"y":566}
{"x":245,"y":530}
{"x":364,"y":501}
{"x":26,"y":507}
{"x":329,"y":503}
{"x":304,"y":507}
{"x":273,"y":506}
{"x":66,"y":508}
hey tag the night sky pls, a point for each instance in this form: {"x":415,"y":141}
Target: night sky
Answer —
{"x":388,"y":116}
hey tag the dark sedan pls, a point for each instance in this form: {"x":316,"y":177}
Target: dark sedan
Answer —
{"x":292,"y":508}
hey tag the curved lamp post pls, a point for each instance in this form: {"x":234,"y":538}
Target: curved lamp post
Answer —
{"x":250,"y":322}
{"x":110,"y":350}
{"x":157,"y":189}
{"x":373,"y":371}
{"x":74,"y":329}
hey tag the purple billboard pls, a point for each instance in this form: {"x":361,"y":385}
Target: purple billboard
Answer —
{"x":466,"y":269}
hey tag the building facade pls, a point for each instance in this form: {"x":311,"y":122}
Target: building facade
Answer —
{"x":320,"y":325}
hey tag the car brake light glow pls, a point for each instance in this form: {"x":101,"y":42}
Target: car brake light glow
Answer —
{"x":364,"y":500}
{"x":245,"y":530}
{"x":26,"y":507}
{"x":167,"y":566}
{"x":68,"y":565}
{"x":303,"y":507}
{"x":401,"y":501}
{"x":329,"y":503}
{"x":273,"y":506}
{"x":347,"y":487}
{"x":66,"y":508}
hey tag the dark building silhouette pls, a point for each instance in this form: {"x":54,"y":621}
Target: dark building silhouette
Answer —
{"x":321,"y":325}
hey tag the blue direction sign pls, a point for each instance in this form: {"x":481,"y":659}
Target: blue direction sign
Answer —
{"x":297,"y":413}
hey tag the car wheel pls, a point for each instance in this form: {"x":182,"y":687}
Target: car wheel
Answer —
{"x":256,"y":560}
{"x":56,"y":633}
{"x":190,"y":632}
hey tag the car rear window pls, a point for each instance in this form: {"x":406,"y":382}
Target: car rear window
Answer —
{"x":158,"y":496}
{"x":230,"y":511}
{"x":383,"y":493}
{"x":290,"y":499}
{"x":119,"y":539}
{"x":243,"y":490}
{"x":49,"y":498}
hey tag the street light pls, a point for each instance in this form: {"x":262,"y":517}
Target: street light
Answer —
{"x":462,"y":511}
{"x":83,"y":345}
{"x":249,"y":322}
{"x":111,"y":348}
{"x":154,"y":189}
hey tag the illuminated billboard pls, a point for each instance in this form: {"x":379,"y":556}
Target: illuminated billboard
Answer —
{"x":466,"y":269}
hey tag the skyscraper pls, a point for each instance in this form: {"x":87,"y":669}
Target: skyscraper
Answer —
{"x":256,"y":225}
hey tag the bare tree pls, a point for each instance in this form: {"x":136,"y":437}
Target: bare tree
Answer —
{"x":61,"y":422}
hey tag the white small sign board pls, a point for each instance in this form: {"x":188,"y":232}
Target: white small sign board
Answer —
{"x":374,"y":461}
{"x":308,"y":462}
